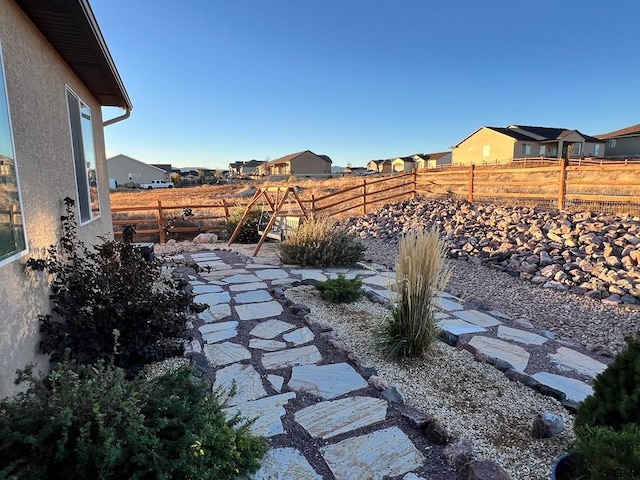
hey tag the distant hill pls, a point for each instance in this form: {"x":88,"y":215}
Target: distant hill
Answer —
{"x":336,"y":169}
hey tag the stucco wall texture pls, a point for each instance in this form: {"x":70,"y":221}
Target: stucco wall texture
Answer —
{"x":36,"y":78}
{"x":309,"y":163}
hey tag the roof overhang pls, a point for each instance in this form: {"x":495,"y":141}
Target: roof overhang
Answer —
{"x":72,"y":29}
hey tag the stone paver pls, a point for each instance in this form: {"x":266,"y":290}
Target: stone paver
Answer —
{"x":216,"y":332}
{"x":326,"y":381}
{"x":271,"y":328}
{"x":242,"y":278}
{"x":477,"y":318}
{"x":328,"y":419}
{"x":517,"y":356}
{"x":575,"y":390}
{"x":225,"y":353}
{"x":387,"y":452}
{"x":254,"y":311}
{"x":215,"y":313}
{"x":291,"y":357}
{"x":206,"y":288}
{"x":271,"y":274}
{"x":457,"y":326}
{"x":266,"y":345}
{"x":299,"y":337}
{"x":567,"y":359}
{"x":276,"y":380}
{"x":520,"y":336}
{"x":448,"y":304}
{"x":268,"y":412}
{"x":310,"y":274}
{"x":213,"y":298}
{"x":285,"y":464}
{"x":247,"y":380}
{"x":246,"y":287}
{"x":253,"y":296}
{"x":385,"y":280}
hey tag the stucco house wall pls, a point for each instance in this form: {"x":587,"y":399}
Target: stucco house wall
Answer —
{"x":36,"y":82}
{"x":472,"y":151}
{"x":123,"y":169}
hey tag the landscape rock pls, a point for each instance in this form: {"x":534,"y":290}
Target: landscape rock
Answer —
{"x":436,"y":433}
{"x":205,"y":238}
{"x":485,"y":470}
{"x":458,"y":453}
{"x":547,"y":425}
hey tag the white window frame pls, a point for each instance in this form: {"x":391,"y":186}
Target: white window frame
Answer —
{"x":596,"y":149}
{"x":526,"y":149}
{"x":486,"y":151}
{"x":3,"y":85}
{"x":543,"y":150}
{"x":612,"y":143}
{"x":79,"y":157}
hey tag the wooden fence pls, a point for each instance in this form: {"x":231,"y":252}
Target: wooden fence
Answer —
{"x":609,"y":188}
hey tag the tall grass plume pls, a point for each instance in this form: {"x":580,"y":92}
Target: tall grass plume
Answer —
{"x":421,"y":276}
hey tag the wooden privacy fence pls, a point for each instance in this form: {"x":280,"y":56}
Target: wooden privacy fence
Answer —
{"x":165,"y":223}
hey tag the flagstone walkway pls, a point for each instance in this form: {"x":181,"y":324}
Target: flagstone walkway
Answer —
{"x":290,"y":380}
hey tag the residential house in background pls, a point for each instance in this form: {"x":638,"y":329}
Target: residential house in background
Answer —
{"x":489,"y":145}
{"x":623,"y":143}
{"x":245,"y":169}
{"x":301,"y":163}
{"x":56,"y":73}
{"x":167,"y":170}
{"x":431,"y":160}
{"x":123,"y":169}
{"x":403,"y":164}
{"x":380,"y":166}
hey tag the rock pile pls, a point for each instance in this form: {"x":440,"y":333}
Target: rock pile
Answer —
{"x":584,"y":253}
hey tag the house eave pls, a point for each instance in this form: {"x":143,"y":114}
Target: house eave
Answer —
{"x":72,"y":30}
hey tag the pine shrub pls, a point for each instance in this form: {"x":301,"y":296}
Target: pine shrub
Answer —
{"x":105,"y":288}
{"x":249,"y":231}
{"x":89,"y":421}
{"x":607,"y":424}
{"x":318,"y":242}
{"x":421,"y":277}
{"x":340,"y":290}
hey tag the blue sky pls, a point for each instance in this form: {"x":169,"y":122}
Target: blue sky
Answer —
{"x":213,"y":82}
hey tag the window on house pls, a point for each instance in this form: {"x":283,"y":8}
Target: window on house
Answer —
{"x":486,"y":150}
{"x":543,"y":150}
{"x":526,"y":149}
{"x":612,"y":143}
{"x":84,"y":155}
{"x":12,"y":237}
{"x":577,"y":149}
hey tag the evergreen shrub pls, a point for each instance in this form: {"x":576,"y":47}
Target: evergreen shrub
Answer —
{"x":340,"y":290}
{"x":89,"y":421}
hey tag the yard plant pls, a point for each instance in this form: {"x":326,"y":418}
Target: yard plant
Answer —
{"x":340,"y":289}
{"x":105,"y":288}
{"x":607,"y":424}
{"x":421,"y":276}
{"x":319,"y":242}
{"x":89,"y":421}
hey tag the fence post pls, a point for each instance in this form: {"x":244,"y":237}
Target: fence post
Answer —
{"x":562,"y":186}
{"x":226,"y":209}
{"x":313,"y":204}
{"x":470,"y":185}
{"x":364,"y":196}
{"x":414,"y":179}
{"x":161,"y":232}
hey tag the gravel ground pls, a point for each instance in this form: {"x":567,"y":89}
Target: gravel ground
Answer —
{"x":472,"y":400}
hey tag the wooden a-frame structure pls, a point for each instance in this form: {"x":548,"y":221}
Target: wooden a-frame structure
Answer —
{"x":274,"y":200}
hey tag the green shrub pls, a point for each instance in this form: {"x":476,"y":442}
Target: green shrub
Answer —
{"x":249,"y":231}
{"x":86,"y":421}
{"x":340,"y":290}
{"x":318,"y":242}
{"x":421,"y":276}
{"x":607,"y":424}
{"x":110,"y":287}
